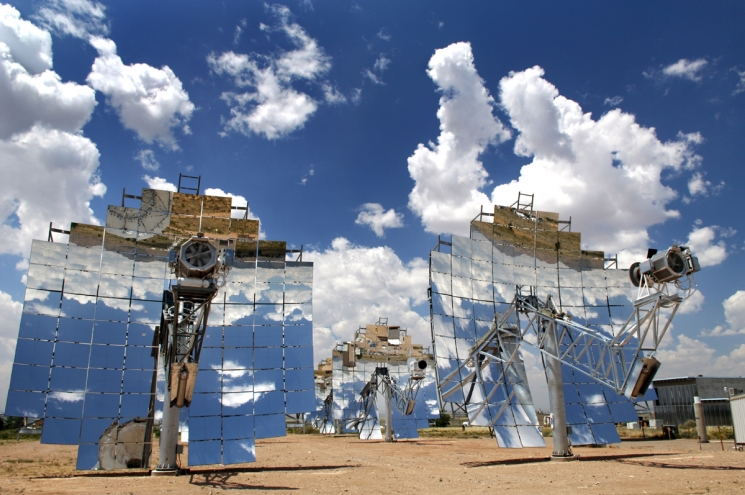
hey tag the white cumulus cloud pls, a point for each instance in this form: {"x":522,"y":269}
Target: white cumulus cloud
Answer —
{"x":78,"y":18}
{"x":687,"y":69}
{"x":702,"y":243}
{"x":449,"y":175}
{"x":30,"y":92}
{"x":149,"y":101}
{"x":50,"y":168}
{"x":374,"y":216}
{"x":64,"y":169}
{"x":159,"y":183}
{"x":698,"y":186}
{"x":693,"y":304}
{"x":355,"y":285}
{"x":606,"y":174}
{"x":691,"y":357}
{"x":734,"y":313}
{"x":147,"y":160}
{"x":332,"y":95}
{"x":684,"y":356}
{"x":273,"y":108}
{"x":30,"y":45}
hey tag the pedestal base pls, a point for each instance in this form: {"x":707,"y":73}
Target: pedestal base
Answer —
{"x":563,"y":458}
{"x":164,"y":472}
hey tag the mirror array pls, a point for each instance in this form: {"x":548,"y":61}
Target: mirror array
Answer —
{"x":592,"y":410}
{"x":84,"y":356}
{"x":256,"y":363}
{"x":86,"y":360}
{"x":477,"y":280}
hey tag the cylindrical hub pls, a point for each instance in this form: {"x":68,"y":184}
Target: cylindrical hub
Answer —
{"x":698,"y":411}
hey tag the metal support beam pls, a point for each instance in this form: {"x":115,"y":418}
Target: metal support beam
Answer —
{"x":182,"y":188}
{"x":130,"y":196}
{"x":59,"y":231}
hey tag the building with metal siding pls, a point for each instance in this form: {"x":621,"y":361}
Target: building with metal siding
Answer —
{"x":737,"y":405}
{"x":674,"y":404}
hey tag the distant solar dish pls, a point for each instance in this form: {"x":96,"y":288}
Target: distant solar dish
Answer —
{"x":522,"y":279}
{"x":362,"y":369}
{"x":87,"y":352}
{"x":357,"y":406}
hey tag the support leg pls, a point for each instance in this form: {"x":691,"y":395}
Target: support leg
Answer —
{"x":168,"y":440}
{"x":388,"y":412}
{"x":556,"y":396}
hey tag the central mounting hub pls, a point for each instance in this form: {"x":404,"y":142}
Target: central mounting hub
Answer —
{"x":197,"y":258}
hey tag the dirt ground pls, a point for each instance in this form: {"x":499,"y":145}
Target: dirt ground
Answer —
{"x":346,"y":465}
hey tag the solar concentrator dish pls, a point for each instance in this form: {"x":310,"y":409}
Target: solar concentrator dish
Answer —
{"x":358,"y":416}
{"x":474,"y":284}
{"x":86,"y":358}
{"x":354,"y":366}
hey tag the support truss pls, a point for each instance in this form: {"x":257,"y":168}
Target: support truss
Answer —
{"x":186,"y":324}
{"x":615,"y":359}
{"x":403,"y":399}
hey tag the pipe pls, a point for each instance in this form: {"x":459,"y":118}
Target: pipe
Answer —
{"x":698,"y":411}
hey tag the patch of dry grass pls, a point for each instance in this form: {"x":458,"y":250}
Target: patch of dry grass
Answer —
{"x":455,"y":432}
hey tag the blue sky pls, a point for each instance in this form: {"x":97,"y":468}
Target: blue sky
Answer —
{"x":361,"y":130}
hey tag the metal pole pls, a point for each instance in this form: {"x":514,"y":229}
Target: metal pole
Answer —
{"x":171,"y":415}
{"x":168,"y":438}
{"x":387,"y":393}
{"x":698,"y":411}
{"x":556,"y":396}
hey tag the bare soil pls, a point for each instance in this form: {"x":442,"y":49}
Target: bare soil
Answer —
{"x":346,"y":465}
